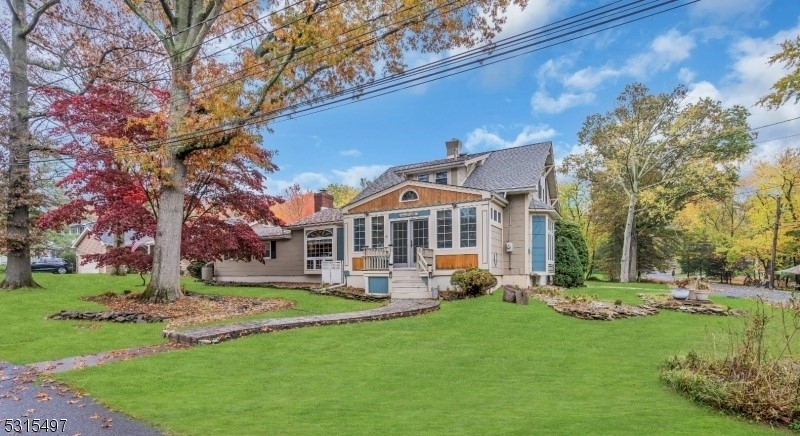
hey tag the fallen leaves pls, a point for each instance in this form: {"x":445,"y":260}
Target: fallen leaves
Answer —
{"x":193,"y":308}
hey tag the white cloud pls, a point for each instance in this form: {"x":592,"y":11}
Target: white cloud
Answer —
{"x":590,"y":77}
{"x":484,"y":139}
{"x":750,"y":78}
{"x":665,"y":51}
{"x":673,"y":46}
{"x":721,"y":10}
{"x":686,"y":75}
{"x":353,"y":175}
{"x":306,"y":180}
{"x":350,"y":153}
{"x":541,"y":102}
{"x":536,"y":14}
{"x":702,"y":90}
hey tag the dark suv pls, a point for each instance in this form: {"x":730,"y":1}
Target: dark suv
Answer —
{"x":53,"y":265}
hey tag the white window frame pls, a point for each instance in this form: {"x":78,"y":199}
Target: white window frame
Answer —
{"x":317,"y":260}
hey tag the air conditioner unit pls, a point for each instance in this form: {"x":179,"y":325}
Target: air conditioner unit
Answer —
{"x":509,"y":247}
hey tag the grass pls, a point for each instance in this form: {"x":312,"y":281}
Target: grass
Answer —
{"x":477,"y":366}
{"x":29,"y":337}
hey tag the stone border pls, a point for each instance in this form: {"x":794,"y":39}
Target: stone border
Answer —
{"x":215,"y":334}
{"x":332,"y":291}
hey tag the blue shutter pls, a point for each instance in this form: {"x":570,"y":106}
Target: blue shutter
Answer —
{"x":339,"y":243}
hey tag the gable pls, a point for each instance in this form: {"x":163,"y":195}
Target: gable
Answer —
{"x":433,"y":195}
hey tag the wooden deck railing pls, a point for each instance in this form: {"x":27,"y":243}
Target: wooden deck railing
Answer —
{"x":376,"y":259}
{"x":425,"y":264}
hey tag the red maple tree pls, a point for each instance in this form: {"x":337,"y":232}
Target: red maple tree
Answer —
{"x":117,"y":177}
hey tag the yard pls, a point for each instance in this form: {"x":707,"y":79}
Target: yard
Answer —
{"x":477,"y":366}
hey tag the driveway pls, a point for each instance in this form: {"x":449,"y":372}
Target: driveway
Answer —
{"x":28,"y":406}
{"x":734,"y":291}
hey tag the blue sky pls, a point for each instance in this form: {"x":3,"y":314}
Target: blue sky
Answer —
{"x":718,"y":48}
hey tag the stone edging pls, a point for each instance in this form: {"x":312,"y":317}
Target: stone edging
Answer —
{"x":323,"y":291}
{"x":215,"y":334}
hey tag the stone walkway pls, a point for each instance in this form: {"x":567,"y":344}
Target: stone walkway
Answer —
{"x":70,"y":363}
{"x":29,"y":403}
{"x":212,"y":335}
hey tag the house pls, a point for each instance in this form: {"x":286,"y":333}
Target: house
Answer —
{"x":292,"y":253}
{"x":90,"y":243}
{"x":413,"y":226}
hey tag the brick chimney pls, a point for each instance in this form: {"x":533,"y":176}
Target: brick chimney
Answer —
{"x":453,"y":148}
{"x":322,"y":200}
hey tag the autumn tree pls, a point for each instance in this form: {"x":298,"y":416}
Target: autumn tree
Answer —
{"x":788,"y":86}
{"x":294,"y":204}
{"x":661,"y":151}
{"x":342,"y":194}
{"x":291,"y":54}
{"x":221,"y":197}
{"x":55,"y":44}
{"x":779,"y":177}
{"x":25,"y":17}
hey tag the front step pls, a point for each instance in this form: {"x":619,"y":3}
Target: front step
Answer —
{"x":407,"y":284}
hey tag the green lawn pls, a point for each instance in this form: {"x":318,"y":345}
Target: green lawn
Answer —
{"x":29,"y":337}
{"x":476,"y":366}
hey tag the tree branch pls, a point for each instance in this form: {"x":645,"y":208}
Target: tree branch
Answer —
{"x":5,"y":48}
{"x":151,"y":25}
{"x":36,"y":15}
{"x":167,"y":12}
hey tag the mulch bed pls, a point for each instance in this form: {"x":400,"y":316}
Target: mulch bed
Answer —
{"x":191,"y":309}
{"x":666,"y":301}
{"x":585,"y":308}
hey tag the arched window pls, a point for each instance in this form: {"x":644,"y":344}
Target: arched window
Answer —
{"x":319,"y":247}
{"x":409,"y":195}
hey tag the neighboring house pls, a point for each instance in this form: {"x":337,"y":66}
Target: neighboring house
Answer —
{"x":413,"y":226}
{"x":91,"y":243}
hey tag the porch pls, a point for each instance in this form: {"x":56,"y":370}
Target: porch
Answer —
{"x":413,"y":275}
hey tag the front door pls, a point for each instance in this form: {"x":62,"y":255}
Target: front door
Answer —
{"x":400,"y":243}
{"x":407,"y":235}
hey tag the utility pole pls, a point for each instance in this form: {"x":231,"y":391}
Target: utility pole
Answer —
{"x":775,"y":241}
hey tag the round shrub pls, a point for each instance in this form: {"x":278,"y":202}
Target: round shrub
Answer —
{"x":569,"y":271}
{"x":473,"y":281}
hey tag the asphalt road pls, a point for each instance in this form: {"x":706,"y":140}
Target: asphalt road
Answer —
{"x":28,"y":406}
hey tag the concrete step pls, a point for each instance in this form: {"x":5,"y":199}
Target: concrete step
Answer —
{"x":405,"y":295}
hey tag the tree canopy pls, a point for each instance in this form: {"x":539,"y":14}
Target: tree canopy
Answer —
{"x":660,"y":151}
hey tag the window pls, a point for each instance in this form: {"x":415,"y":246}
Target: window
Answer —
{"x":319,"y":247}
{"x":377,"y":231}
{"x":444,"y":229}
{"x":441,"y":177}
{"x":551,"y":243}
{"x":359,"y":234}
{"x":269,"y":250}
{"x":469,"y":227}
{"x":409,"y":195}
{"x":497,"y":216}
{"x":423,"y":177}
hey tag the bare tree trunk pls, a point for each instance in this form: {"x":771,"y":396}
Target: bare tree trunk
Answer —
{"x":625,"y":261}
{"x":634,"y":266}
{"x":18,"y":270}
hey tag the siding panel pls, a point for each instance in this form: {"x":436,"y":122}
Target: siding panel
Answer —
{"x":427,"y":197}
{"x":456,"y":261}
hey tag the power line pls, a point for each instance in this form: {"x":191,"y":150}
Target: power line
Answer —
{"x":407,"y":79}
